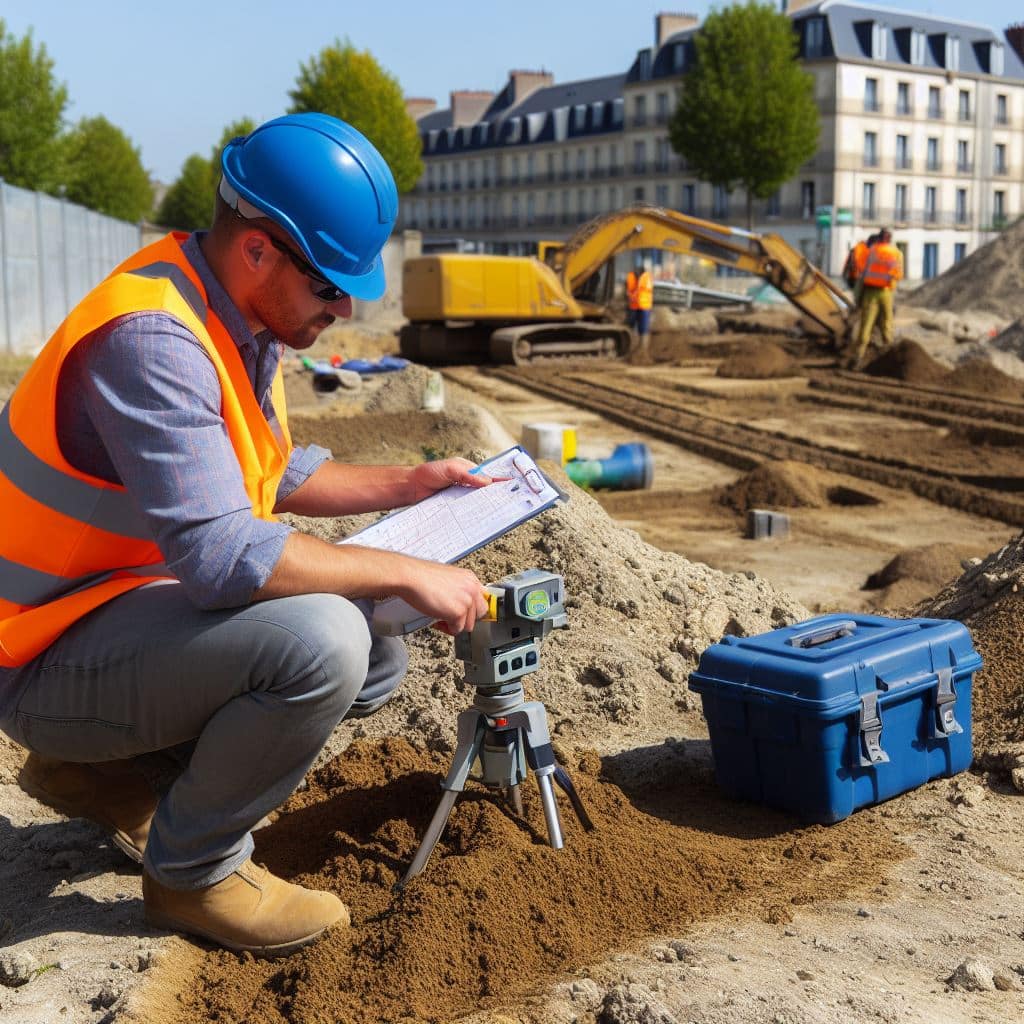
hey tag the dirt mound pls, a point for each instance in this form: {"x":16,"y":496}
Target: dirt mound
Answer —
{"x":759,"y":361}
{"x":783,"y":484}
{"x":990,"y":279}
{"x":1011,"y":339}
{"x":908,"y":361}
{"x":935,"y":564}
{"x":497,"y":911}
{"x":980,"y":376}
{"x":989,"y":599}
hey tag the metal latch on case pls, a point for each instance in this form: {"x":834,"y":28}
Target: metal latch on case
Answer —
{"x":871,"y":752}
{"x":945,"y":699}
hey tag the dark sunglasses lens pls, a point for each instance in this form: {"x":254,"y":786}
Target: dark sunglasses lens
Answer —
{"x":329,"y":293}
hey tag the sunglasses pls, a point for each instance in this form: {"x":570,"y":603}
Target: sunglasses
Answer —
{"x":327,"y":292}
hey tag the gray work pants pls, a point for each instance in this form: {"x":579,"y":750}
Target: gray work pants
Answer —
{"x":252,"y":694}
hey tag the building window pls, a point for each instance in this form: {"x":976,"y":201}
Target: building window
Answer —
{"x":1000,"y":158}
{"x":679,"y":56}
{"x":773,"y":208}
{"x":639,"y":194}
{"x":613,"y":197}
{"x":931,"y":260}
{"x":531,"y":162}
{"x":597,"y":161}
{"x":963,"y":156}
{"x":661,"y":195}
{"x":871,"y":95}
{"x":581,"y":203}
{"x":1002,"y":114}
{"x":720,"y":203}
{"x":953,"y":53}
{"x":963,"y":108}
{"x":999,"y":209}
{"x":663,"y":151}
{"x":688,"y":199}
{"x":806,"y":200}
{"x":868,"y":201}
{"x":531,"y":209}
{"x":959,"y":251}
{"x":903,"y":161}
{"x":814,"y":37}
{"x":639,"y":157}
{"x":661,"y":108}
{"x":961,"y":206}
{"x":878,"y":41}
{"x":934,"y":163}
{"x":931,"y":212}
{"x":900,"y":210}
{"x":934,"y":102}
{"x":903,"y":106}
{"x":870,"y":149}
{"x":581,"y":164}
{"x":639,"y":111}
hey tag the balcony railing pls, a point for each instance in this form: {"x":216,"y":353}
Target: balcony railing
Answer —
{"x":904,"y":110}
{"x":1001,"y":169}
{"x":965,"y":167}
{"x":638,"y":121}
{"x":904,"y":163}
{"x":935,"y":113}
{"x":871,"y":106}
{"x":934,"y":165}
{"x":870,"y":160}
{"x":964,"y":115}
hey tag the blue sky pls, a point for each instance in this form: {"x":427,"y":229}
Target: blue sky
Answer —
{"x":173,"y":75}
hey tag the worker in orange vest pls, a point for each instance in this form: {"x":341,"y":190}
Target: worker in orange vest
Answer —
{"x":856,"y":260}
{"x":640,"y":296}
{"x":883,"y":268}
{"x":156,"y":619}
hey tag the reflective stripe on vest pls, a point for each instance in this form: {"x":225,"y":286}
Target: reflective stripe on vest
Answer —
{"x":69,"y":541}
{"x":645,"y":292}
{"x":882,"y":267}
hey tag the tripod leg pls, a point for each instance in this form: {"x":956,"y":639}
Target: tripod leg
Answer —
{"x":430,"y":838}
{"x":516,"y":799}
{"x":547,"y":799}
{"x":470,"y":737}
{"x":563,"y":780}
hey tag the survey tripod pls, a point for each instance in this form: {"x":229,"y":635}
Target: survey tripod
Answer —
{"x":503,"y":731}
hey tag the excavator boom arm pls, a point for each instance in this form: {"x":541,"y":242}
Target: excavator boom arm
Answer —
{"x":652,"y":227}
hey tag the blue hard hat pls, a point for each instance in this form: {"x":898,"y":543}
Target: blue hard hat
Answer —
{"x":327,"y":186}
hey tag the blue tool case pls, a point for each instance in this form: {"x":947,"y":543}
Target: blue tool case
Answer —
{"x":838,"y":712}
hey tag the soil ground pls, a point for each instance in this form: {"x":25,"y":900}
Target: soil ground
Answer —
{"x":681,"y":905}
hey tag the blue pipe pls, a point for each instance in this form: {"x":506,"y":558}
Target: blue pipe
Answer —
{"x":628,"y":468}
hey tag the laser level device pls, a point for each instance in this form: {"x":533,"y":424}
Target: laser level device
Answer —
{"x":503,"y":732}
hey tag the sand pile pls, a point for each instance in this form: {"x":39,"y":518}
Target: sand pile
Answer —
{"x":913,"y":574}
{"x":497,"y":911}
{"x":989,"y":599}
{"x":981,"y":377}
{"x":908,"y":361}
{"x":990,"y":279}
{"x":759,"y":361}
{"x":789,"y":484}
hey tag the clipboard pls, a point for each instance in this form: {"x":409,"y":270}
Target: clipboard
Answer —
{"x":454,"y":522}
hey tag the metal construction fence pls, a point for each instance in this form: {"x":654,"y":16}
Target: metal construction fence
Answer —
{"x":51,"y":253}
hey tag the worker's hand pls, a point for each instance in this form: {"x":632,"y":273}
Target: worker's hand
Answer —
{"x":429,"y":477}
{"x":451,"y":595}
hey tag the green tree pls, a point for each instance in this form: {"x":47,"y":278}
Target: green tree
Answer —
{"x":32,"y":106}
{"x":351,"y":85}
{"x":746,"y":114}
{"x":188,"y":203}
{"x":103,"y":170}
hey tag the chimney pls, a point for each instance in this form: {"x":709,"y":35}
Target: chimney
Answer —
{"x":792,"y":6}
{"x":666,"y":24}
{"x":1015,"y":37}
{"x":525,"y":82}
{"x":468,"y":106}
{"x":419,"y":106}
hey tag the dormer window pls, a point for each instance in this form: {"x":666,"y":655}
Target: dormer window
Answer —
{"x":953,"y":53}
{"x":814,"y":37}
{"x":678,"y":56}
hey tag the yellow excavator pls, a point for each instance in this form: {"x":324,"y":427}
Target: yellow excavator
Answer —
{"x":467,"y":307}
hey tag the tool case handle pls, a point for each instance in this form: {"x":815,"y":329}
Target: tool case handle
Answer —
{"x":823,"y":634}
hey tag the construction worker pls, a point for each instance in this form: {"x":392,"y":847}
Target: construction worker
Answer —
{"x":155,"y":617}
{"x":640,"y":296}
{"x":856,"y":260}
{"x":882,"y":269}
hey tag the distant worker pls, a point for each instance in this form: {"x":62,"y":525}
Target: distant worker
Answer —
{"x":640,"y":296}
{"x":856,"y":261}
{"x":882,"y":269}
{"x":153,"y":611}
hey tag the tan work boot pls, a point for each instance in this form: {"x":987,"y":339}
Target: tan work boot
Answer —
{"x":110,"y":793}
{"x":249,"y":911}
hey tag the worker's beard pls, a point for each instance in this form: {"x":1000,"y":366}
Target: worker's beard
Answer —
{"x":278,"y":315}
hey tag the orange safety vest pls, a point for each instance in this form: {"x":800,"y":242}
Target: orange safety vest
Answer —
{"x":631,"y":284}
{"x":69,"y":541}
{"x":883,"y":267}
{"x":645,"y":291}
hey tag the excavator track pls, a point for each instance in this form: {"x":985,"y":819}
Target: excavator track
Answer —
{"x":532,"y":343}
